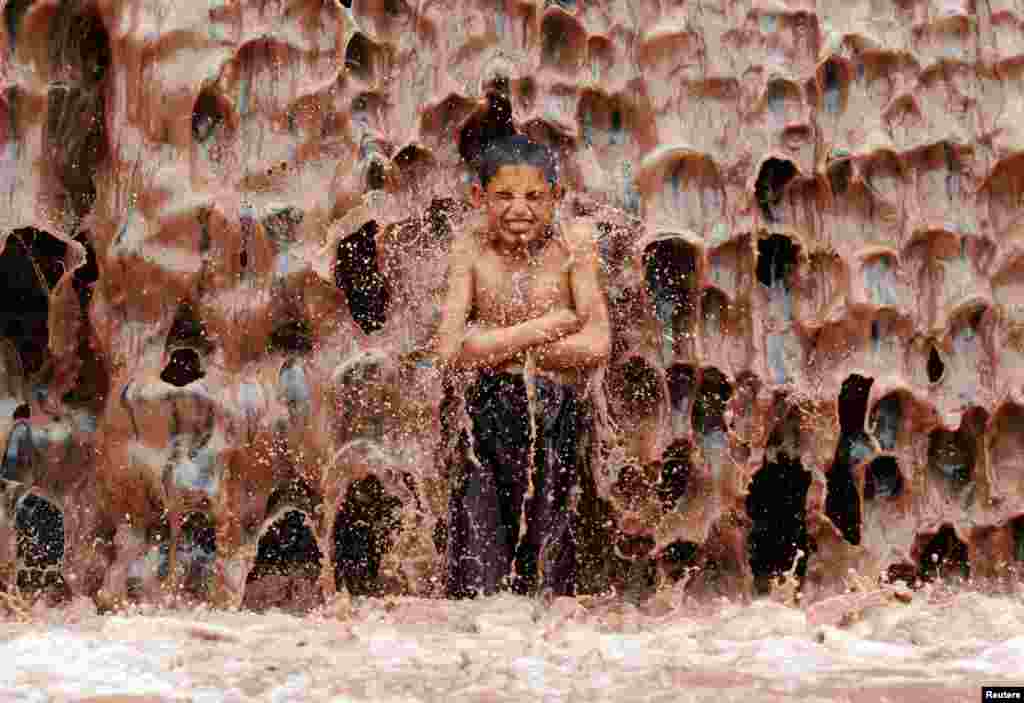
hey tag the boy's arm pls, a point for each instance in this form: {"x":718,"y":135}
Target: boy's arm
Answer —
{"x":483,"y":346}
{"x":457,"y":301}
{"x":591,"y":346}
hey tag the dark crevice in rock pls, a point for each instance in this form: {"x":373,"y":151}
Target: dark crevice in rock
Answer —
{"x":294,"y":337}
{"x":709,"y":409}
{"x":935,"y":367}
{"x":288,"y":550}
{"x":14,"y":11}
{"x":886,"y":421}
{"x":358,"y":274}
{"x":358,"y":57}
{"x":208,"y":116}
{"x":76,"y":113}
{"x":39,"y":526}
{"x":670,"y":266}
{"x":833,"y":86}
{"x":776,"y":260}
{"x":945,"y":557}
{"x":776,"y":504}
{"x":31,"y":264}
{"x":363,"y":533}
{"x":679,"y":557}
{"x":842,"y":503}
{"x":951,"y":458}
{"x":907,"y":573}
{"x":882,"y":479}
{"x":183,"y":368}
{"x":771,"y":184}
{"x":635,"y":386}
{"x":853,"y":403}
{"x":676,"y":473}
{"x":188,"y":343}
{"x":681,"y":381}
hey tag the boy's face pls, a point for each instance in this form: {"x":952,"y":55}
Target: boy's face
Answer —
{"x":519,"y":204}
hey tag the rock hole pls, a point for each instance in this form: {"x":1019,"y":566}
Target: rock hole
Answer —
{"x":907,"y":573}
{"x":184,"y":368}
{"x":14,"y":10}
{"x":636,"y":385}
{"x":676,"y":472}
{"x":833,"y":86}
{"x":951,"y":458}
{"x":39,"y":527}
{"x":671,"y":274}
{"x":186,"y":339}
{"x":776,"y":260}
{"x":293,"y":337}
{"x":358,"y":275}
{"x":681,"y":381}
{"x":776,"y":504}
{"x":774,"y":176}
{"x":19,"y":455}
{"x":207,"y":116}
{"x":188,"y":330}
{"x":842,"y":504}
{"x":839,"y":174}
{"x":375,"y":177}
{"x":563,"y":42}
{"x":883,"y":479}
{"x":679,"y":557}
{"x":853,"y":403}
{"x":358,"y":55}
{"x":196,"y":554}
{"x":1017,"y":529}
{"x":709,"y":410}
{"x":481,"y":129}
{"x":886,"y":420}
{"x":293,"y":388}
{"x":945,"y":557}
{"x":714,"y":308}
{"x":935,"y":366}
{"x":76,"y":115}
{"x":31,"y":264}
{"x":287,"y":566}
{"x":363,"y":533}
{"x":631,"y":487}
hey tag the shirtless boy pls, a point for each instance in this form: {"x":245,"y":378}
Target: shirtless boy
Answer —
{"x":524,"y":306}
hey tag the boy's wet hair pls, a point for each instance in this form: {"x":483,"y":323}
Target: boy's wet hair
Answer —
{"x":516,"y":150}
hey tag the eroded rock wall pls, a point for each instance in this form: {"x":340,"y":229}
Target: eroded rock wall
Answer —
{"x":224,"y":228}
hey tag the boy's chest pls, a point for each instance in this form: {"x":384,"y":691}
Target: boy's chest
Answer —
{"x":511,"y":292}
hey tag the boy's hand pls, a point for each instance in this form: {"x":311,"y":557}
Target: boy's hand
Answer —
{"x":561,"y":322}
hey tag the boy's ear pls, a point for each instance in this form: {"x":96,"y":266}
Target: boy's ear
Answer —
{"x":476,"y":194}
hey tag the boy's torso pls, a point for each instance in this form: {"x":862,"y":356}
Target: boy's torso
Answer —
{"x":509,"y":290}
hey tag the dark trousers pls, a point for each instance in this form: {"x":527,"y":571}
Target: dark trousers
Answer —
{"x":499,"y":535}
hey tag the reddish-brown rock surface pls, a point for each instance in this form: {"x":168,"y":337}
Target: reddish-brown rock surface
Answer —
{"x":224,"y":227}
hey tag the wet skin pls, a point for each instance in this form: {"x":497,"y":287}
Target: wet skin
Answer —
{"x":525,"y":286}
